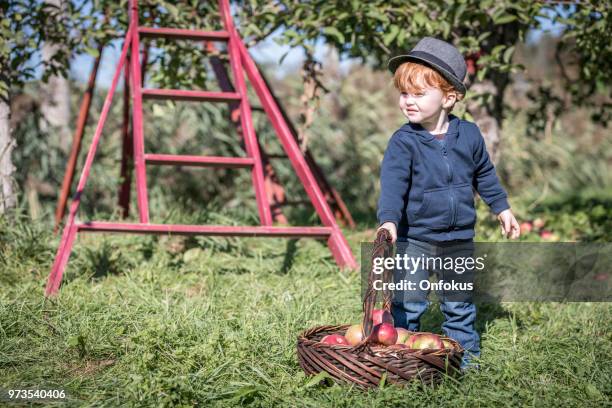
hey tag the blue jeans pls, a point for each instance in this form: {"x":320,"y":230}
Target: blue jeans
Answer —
{"x":408,"y":306}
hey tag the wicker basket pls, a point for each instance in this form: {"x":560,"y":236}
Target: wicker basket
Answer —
{"x":366,"y":364}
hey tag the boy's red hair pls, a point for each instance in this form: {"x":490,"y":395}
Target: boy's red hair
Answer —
{"x":412,"y":77}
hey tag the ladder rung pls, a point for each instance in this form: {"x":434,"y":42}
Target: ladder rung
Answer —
{"x":177,"y":33}
{"x":219,"y":230}
{"x":185,"y":95}
{"x":200,"y":161}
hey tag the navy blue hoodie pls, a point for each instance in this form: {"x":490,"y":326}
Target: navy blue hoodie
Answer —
{"x":426,"y":187}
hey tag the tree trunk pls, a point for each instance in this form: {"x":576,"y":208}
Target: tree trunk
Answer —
{"x":55,"y":98}
{"x":489,"y":116}
{"x":55,"y":110}
{"x":8,"y":197}
{"x":489,"y":124}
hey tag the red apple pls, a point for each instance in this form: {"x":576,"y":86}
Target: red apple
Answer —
{"x":384,"y":333}
{"x":526,"y":227}
{"x":427,"y":341}
{"x":336,"y":339}
{"x":402,"y":335}
{"x":538,"y":223}
{"x":548,"y":236}
{"x":381,"y":316}
{"x":354,"y":334}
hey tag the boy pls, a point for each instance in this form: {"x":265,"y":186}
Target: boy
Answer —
{"x":428,"y":171}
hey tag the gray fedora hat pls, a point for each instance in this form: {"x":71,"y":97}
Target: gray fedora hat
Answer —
{"x":439,"y":55}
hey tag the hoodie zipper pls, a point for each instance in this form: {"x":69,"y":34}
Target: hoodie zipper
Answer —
{"x":450,"y":190}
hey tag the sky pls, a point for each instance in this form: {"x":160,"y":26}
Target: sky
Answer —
{"x":266,"y":52}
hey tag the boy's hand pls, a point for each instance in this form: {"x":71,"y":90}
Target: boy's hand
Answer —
{"x":389,"y":226}
{"x":509,"y":225}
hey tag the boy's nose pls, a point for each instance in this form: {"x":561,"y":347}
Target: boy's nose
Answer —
{"x":409,"y":99}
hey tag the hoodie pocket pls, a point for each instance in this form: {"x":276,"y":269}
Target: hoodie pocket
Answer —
{"x":466,"y":213}
{"x":434,"y":213}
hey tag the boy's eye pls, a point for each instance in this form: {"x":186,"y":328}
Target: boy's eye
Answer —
{"x":416,"y":94}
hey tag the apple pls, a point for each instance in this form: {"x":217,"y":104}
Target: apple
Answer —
{"x":426,"y":341}
{"x":381,"y":316}
{"x":354,"y":334}
{"x":548,"y":236}
{"x":538,"y":223}
{"x":336,"y":339}
{"x":526,"y":227}
{"x":402,"y":335}
{"x":447,"y":344}
{"x":411,"y":340}
{"x":384,"y":333}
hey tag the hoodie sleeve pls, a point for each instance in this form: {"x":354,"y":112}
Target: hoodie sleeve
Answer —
{"x":485,"y":179}
{"x":395,"y":175}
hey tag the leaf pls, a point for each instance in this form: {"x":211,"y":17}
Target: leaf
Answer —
{"x":482,"y":36}
{"x":377,"y":15}
{"x":390,"y":36}
{"x":445,"y":28}
{"x":317,"y":379}
{"x":481,"y":74}
{"x":92,"y":51}
{"x":289,"y":33}
{"x":333,"y":31}
{"x":282,"y":58}
{"x":508,"y":54}
{"x":504,"y":19}
{"x":497,"y":49}
{"x":419,"y":18}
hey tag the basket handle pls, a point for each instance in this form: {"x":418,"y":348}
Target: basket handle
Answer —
{"x":383,"y":247}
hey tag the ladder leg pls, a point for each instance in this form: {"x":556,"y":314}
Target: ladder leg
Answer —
{"x":337,"y":242}
{"x":137,"y":126}
{"x":274,"y":190}
{"x":333,"y":198}
{"x":61,"y":259}
{"x":60,"y":210}
{"x":70,"y":229}
{"x":246,"y":120}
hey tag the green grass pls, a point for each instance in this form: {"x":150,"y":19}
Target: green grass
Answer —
{"x":150,"y":321}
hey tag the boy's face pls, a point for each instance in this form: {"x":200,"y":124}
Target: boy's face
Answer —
{"x":425,"y":105}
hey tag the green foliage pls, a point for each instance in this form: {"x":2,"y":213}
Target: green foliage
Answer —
{"x":589,"y":37}
{"x":485,"y":31}
{"x":375,"y":30}
{"x":26,"y":24}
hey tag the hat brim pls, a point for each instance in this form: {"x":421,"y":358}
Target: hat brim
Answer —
{"x":395,"y":62}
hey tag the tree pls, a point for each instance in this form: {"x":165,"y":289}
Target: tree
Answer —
{"x":486,"y":32}
{"x":26,"y":27}
{"x":55,"y":98}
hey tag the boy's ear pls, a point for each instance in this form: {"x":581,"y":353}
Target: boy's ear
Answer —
{"x":449,"y":100}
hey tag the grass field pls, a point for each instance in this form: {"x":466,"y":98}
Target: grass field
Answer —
{"x":150,"y":321}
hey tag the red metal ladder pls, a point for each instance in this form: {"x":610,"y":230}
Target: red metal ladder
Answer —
{"x":239,"y":60}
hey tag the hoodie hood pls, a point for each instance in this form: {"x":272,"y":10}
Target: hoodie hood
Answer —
{"x":425,"y":136}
